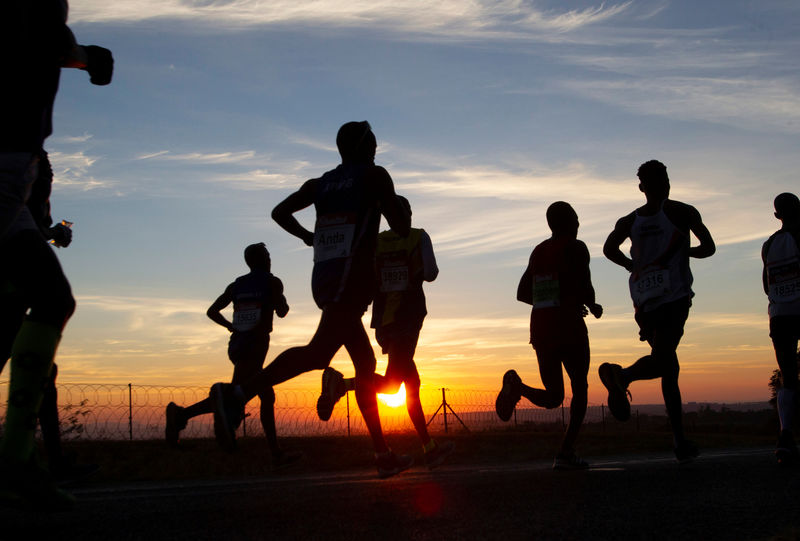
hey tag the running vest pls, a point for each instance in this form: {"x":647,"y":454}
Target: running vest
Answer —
{"x":253,"y":304}
{"x":782,"y":265}
{"x":399,"y":268}
{"x":345,"y":234}
{"x":657,"y":283}
{"x":553,"y":280}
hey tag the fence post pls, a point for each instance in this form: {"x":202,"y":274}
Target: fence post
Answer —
{"x":130,"y":411}
{"x":347,"y":398}
{"x":515,"y":416}
{"x":603,"y":415}
{"x":444,"y":410}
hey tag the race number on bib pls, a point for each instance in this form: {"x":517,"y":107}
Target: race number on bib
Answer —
{"x":546,"y":291}
{"x":333,"y":236}
{"x":650,"y":285}
{"x":784,"y":281}
{"x":394,"y":278}
{"x":246,"y":316}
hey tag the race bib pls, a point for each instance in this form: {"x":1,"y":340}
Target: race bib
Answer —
{"x":784,"y":281}
{"x":247,"y":316}
{"x":333,"y":236}
{"x":546,"y":291}
{"x":650,"y":285}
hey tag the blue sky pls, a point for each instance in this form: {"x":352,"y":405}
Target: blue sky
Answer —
{"x":485,"y":113}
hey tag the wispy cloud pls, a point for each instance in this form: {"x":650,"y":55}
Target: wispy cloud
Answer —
{"x":200,"y":157}
{"x":71,"y":139}
{"x":71,"y":171}
{"x":449,"y":18}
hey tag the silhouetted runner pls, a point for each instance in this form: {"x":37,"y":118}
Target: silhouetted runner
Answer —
{"x":39,"y":43}
{"x":661,"y":289}
{"x":349,"y":201}
{"x":781,"y":278}
{"x":402,"y":264}
{"x":255,"y":297}
{"x":13,"y":308}
{"x":558,"y":284}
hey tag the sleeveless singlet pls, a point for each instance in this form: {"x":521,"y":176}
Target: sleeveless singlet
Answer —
{"x":662,"y":282}
{"x":345,"y":235}
{"x":253,"y":305}
{"x":782,"y":264}
{"x":399,"y":268}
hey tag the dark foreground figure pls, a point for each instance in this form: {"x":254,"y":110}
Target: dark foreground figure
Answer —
{"x":35,"y":34}
{"x":661,"y":288}
{"x":558,"y":285}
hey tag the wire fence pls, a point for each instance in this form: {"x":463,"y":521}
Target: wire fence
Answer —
{"x":94,"y":411}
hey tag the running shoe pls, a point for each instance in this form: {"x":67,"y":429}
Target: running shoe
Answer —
{"x":284,"y":459}
{"x":436,"y":456}
{"x":618,"y":394}
{"x":509,"y":395}
{"x":175,"y":423}
{"x":569,"y":462}
{"x":786,"y":451}
{"x":686,"y":452}
{"x":227,"y":414}
{"x":390,"y":464}
{"x":28,"y":486}
{"x":332,"y":390}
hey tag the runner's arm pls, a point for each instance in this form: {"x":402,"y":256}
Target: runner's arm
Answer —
{"x":283,"y":213}
{"x":764,"y":277}
{"x":585,"y":280}
{"x":611,"y":247}
{"x":429,"y":268}
{"x":281,"y":306}
{"x":706,"y":248}
{"x":525,"y":287}
{"x":393,"y":211}
{"x":214,"y":312}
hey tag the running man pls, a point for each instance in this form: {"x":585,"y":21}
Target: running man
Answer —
{"x":14,"y":306}
{"x":661,"y":289}
{"x":255,"y":297}
{"x":402,"y":264}
{"x":781,"y":278}
{"x":558,"y":284}
{"x":36,"y":32}
{"x":349,"y":201}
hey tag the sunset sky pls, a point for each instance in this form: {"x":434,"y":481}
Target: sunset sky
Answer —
{"x":485,"y":113}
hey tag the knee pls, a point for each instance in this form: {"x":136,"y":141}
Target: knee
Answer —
{"x":553,"y":399}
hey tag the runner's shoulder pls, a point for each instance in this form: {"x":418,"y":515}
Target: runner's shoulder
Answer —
{"x":681,"y":214}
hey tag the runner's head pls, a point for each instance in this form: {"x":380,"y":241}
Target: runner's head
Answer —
{"x":257,"y":257}
{"x":787,"y":208}
{"x":653,"y":180}
{"x":356,"y":142}
{"x":562,"y":219}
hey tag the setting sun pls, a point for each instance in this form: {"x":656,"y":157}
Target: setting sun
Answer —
{"x":395,"y":400}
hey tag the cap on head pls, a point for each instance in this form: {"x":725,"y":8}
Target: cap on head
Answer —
{"x":562,"y":218}
{"x":787,"y":205}
{"x":256,"y":256}
{"x":356,"y":142}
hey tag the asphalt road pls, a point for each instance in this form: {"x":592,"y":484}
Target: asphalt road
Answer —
{"x":733,"y":494}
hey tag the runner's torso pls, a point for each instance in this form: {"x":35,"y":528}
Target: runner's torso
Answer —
{"x":657,"y":280}
{"x":782,"y":265}
{"x":345,"y":235}
{"x":253,"y":303}
{"x":399,"y":273}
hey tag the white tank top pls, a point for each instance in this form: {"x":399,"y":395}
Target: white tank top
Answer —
{"x":658,"y":282}
{"x":783,"y":275}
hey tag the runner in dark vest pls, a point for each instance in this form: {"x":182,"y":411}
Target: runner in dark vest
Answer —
{"x":349,"y":201}
{"x":661,"y":288}
{"x":781,"y":279}
{"x":255,"y":297}
{"x":558,"y":284}
{"x":402,"y":264}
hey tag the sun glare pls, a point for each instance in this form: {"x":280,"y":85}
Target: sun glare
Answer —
{"x":396,"y":399}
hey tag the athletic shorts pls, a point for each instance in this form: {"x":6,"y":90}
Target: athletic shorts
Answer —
{"x":785,"y":331}
{"x":669,"y":318}
{"x":248,"y":347}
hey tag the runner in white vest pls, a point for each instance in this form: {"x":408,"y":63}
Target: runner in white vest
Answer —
{"x":661,"y":289}
{"x":781,"y":279}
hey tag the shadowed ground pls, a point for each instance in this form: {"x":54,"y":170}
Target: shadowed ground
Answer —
{"x":497,"y":486}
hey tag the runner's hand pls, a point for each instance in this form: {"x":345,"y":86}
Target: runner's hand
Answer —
{"x":100,"y":64}
{"x":61,"y":235}
{"x":596,"y":310}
